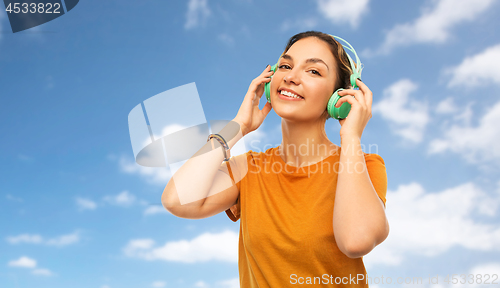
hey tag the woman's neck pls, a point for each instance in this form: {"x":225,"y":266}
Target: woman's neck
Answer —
{"x":304,"y":144}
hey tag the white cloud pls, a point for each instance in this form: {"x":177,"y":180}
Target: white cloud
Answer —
{"x":201,"y":284}
{"x":153,"y":175}
{"x":226,"y":39}
{"x":446,"y":106}
{"x":491,"y":268}
{"x":435,"y":23}
{"x":466,"y":115}
{"x":124,"y":199}
{"x":155,"y":209}
{"x":158,"y":284}
{"x":430,"y":223}
{"x":62,"y":240}
{"x":463,"y":139}
{"x":299,"y":24}
{"x":231,"y":283}
{"x":258,"y":139}
{"x":344,"y":11}
{"x":26,"y":238}
{"x":12,"y":198}
{"x":407,"y":117}
{"x":167,"y":130}
{"x":206,"y":247}
{"x":486,"y":268}
{"x":197,"y":13}
{"x":85,"y":204}
{"x":450,"y":112}
{"x":25,"y":158}
{"x":24,"y":262}
{"x":42,"y":272}
{"x":478,"y":70}
{"x":135,"y":245}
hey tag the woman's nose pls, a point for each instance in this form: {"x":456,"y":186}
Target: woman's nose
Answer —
{"x":291,"y":77}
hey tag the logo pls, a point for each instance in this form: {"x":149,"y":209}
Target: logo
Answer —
{"x":26,"y":14}
{"x":169,"y":128}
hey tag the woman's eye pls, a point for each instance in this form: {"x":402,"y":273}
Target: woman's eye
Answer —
{"x":315,"y":72}
{"x":285,"y":66}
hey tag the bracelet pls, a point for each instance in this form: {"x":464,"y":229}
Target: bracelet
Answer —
{"x":223,"y":143}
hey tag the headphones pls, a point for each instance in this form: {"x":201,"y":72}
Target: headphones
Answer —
{"x":334,"y":112}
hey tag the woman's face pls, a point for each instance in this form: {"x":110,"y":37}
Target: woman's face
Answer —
{"x":307,"y":69}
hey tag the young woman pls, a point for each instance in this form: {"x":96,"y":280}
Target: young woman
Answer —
{"x":308,"y":209}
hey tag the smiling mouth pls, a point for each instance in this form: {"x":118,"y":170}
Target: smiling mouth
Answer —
{"x":290,"y":94}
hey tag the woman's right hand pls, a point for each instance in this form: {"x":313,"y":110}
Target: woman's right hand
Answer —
{"x":250,"y":117}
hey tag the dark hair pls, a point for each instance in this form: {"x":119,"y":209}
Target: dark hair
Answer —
{"x":344,"y":70}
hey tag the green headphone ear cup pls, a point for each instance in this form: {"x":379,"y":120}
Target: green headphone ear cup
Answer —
{"x":267,"y":86}
{"x":267,"y":89}
{"x":337,"y":112}
{"x":354,"y":76}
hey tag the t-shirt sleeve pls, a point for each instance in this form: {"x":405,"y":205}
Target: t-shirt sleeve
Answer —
{"x":378,"y":175}
{"x":236,"y":168}
{"x":234,"y":212}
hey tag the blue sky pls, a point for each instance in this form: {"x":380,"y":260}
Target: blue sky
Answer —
{"x":78,"y":212}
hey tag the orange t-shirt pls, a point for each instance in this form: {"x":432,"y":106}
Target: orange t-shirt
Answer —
{"x":286,"y":233}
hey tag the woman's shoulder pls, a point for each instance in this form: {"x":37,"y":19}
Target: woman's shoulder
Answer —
{"x":373,"y":157}
{"x":254,"y":156}
{"x":266,"y":153}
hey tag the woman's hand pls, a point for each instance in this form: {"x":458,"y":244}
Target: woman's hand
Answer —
{"x":361,"y":110}
{"x":250,"y":117}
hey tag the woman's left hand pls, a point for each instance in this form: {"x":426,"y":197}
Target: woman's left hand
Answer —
{"x":361,"y":110}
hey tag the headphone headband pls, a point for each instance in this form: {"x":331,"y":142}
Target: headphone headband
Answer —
{"x":356,"y":69}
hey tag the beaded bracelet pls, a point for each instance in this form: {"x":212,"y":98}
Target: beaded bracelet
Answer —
{"x":223,"y":143}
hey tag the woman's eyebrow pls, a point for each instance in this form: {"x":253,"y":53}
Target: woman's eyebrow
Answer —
{"x":310,"y":60}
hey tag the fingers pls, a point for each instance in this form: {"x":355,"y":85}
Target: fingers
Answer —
{"x":362,"y":86}
{"x":355,"y":103}
{"x":267,"y":70}
{"x":349,"y":99}
{"x":259,"y":81}
{"x":264,"y":76}
{"x":266,"y":108}
{"x":366,"y":91}
{"x":364,"y":100}
{"x":257,"y":85}
{"x":358,"y":96}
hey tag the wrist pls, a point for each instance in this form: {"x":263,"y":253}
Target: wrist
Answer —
{"x":351,"y":145}
{"x":349,"y":138}
{"x":242,"y":127}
